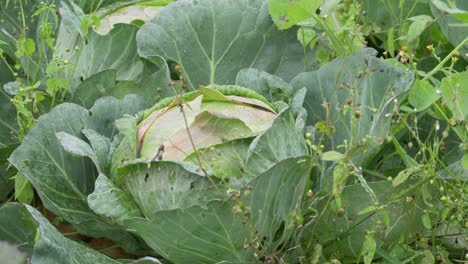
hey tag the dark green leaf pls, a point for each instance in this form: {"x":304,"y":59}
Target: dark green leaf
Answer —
{"x":270,"y":86}
{"x":275,"y":197}
{"x":62,"y":180}
{"x":367,"y":86}
{"x":346,"y":231}
{"x":452,"y":27}
{"x":109,"y":201}
{"x":197,"y":235}
{"x":165,"y":185}
{"x":212,"y":40}
{"x":25,"y":227}
{"x":226,"y":160}
{"x":266,"y":150}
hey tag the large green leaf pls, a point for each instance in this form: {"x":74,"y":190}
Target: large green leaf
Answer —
{"x":117,"y":50}
{"x":280,"y":142}
{"x":454,"y":29}
{"x":63,"y":180}
{"x":165,"y":185}
{"x":25,"y":227}
{"x":359,"y":93}
{"x":8,"y":142}
{"x":212,"y":40}
{"x":197,"y":235}
{"x":387,"y":14}
{"x":95,"y":53}
{"x":110,"y":201}
{"x":217,"y":231}
{"x":225,"y":160}
{"x":275,"y":198}
{"x":151,"y":86}
{"x":422,"y":95}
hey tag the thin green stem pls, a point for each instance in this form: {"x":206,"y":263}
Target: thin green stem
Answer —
{"x":447,"y":58}
{"x":6,"y":63}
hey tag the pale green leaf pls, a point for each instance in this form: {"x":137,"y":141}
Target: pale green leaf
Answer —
{"x":340,"y":175}
{"x":368,"y":210}
{"x":465,"y":162}
{"x":403,"y":175}
{"x":418,"y":25}
{"x":215,"y":232}
{"x":368,"y":249}
{"x":287,"y":13}
{"x":78,"y":147}
{"x":23,"y":190}
{"x":422,"y":95}
{"x":333,"y":156}
{"x":455,"y":94}
{"x":119,"y":13}
{"x":426,"y":220}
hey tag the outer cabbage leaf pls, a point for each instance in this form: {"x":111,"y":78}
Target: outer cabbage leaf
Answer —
{"x":8,"y":142}
{"x":213,"y":233}
{"x":111,"y":60}
{"x":63,"y":180}
{"x":212,"y":40}
{"x":165,"y":185}
{"x":363,"y":84}
{"x":116,"y":50}
{"x":24,"y":226}
{"x":280,"y":142}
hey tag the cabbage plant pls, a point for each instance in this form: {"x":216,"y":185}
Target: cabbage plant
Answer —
{"x":207,"y":135}
{"x":192,"y":176}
